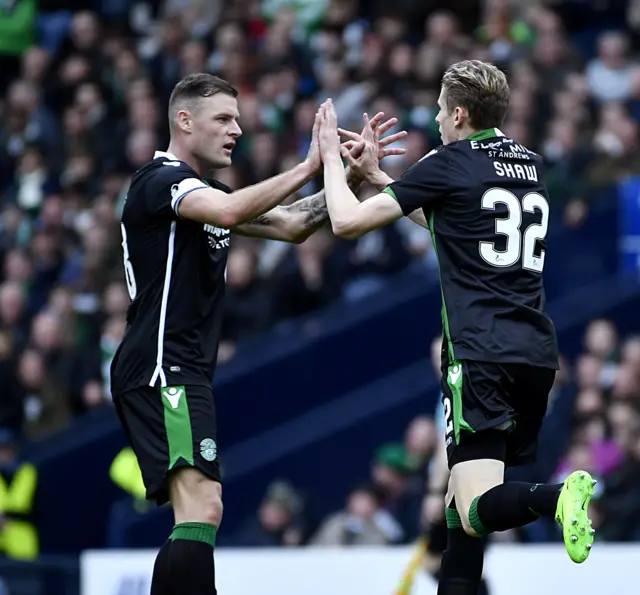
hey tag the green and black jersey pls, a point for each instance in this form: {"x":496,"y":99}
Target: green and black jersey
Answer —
{"x":175,"y":273}
{"x":488,"y":212}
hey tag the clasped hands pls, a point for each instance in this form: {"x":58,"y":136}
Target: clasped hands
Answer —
{"x":362,"y":152}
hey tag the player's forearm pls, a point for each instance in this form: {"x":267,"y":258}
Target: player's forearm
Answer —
{"x":307,"y":215}
{"x":342,"y":203}
{"x":255,"y":200}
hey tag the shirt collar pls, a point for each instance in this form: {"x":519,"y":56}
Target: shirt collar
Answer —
{"x":485,"y":134}
{"x":165,"y":155}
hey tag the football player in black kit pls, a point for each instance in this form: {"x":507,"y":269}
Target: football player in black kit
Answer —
{"x":482,"y":197}
{"x":176,"y":226}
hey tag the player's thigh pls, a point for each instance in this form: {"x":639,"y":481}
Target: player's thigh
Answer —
{"x":195,"y":497}
{"x":530,"y":400}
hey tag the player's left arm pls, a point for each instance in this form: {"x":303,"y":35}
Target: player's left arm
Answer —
{"x":297,"y":221}
{"x":350,"y":218}
{"x":380,"y":181}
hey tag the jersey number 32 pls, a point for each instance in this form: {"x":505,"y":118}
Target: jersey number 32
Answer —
{"x":520,"y":244}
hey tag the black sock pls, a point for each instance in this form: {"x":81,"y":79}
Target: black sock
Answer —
{"x":465,"y":588}
{"x":191,"y":559}
{"x":462,"y":561}
{"x":161,"y":581}
{"x":513,"y":504}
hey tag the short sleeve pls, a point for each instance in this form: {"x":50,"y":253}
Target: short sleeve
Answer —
{"x":169,"y":184}
{"x":219,"y":186}
{"x":422,"y":184}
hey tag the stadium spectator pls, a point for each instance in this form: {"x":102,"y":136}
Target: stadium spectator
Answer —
{"x":280,"y":520}
{"x":363,"y":522}
{"x":396,"y":474}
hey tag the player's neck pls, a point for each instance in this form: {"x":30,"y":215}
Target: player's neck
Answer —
{"x":186,"y":156}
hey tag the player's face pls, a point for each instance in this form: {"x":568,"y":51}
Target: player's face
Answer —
{"x":447,"y":122}
{"x":215,"y":130}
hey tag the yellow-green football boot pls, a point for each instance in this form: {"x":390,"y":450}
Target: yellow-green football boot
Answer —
{"x":572,"y":514}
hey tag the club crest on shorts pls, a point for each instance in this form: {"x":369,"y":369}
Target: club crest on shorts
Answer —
{"x":208,"y":449}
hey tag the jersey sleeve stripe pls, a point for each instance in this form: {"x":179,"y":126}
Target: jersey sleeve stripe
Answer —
{"x":179,"y":191}
{"x":388,"y":190}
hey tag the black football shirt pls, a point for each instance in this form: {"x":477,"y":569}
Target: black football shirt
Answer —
{"x":488,"y":213}
{"x":175,"y":274}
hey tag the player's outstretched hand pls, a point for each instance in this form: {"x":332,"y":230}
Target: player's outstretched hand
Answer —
{"x":355,"y":144}
{"x":328,"y":136}
{"x":365,"y":166}
{"x":313,"y":159}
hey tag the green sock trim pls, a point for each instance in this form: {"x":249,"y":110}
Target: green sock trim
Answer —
{"x":474,"y":519}
{"x":195,"y":532}
{"x":453,"y":518}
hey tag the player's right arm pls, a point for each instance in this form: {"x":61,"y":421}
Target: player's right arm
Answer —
{"x":209,"y":205}
{"x":174,"y":189}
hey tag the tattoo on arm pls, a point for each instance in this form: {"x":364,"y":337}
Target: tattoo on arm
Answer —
{"x":314,"y":208}
{"x":313,"y":211}
{"x":261,"y":220}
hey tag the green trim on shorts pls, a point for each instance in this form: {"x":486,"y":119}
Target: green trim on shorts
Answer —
{"x":177,"y":423}
{"x":455,"y":376}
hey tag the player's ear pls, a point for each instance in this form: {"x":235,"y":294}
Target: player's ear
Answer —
{"x":460,"y":116}
{"x":184,"y":121}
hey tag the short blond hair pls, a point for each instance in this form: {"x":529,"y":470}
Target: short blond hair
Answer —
{"x":479,"y":87}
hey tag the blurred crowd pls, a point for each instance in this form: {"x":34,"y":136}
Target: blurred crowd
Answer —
{"x":83,"y":96}
{"x":384,"y":506}
{"x":593,"y":423}
{"x":605,"y":436}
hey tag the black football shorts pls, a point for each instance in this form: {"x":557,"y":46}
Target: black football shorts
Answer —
{"x":479,"y":396}
{"x":169,"y":428}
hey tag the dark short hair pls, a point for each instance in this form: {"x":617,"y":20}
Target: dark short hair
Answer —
{"x":194,"y":87}
{"x":479,"y":87}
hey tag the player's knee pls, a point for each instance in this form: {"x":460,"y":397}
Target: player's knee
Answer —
{"x":212,"y":507}
{"x":470,"y":479}
{"x":466,"y":526}
{"x":463,"y":513}
{"x":196,"y":498}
